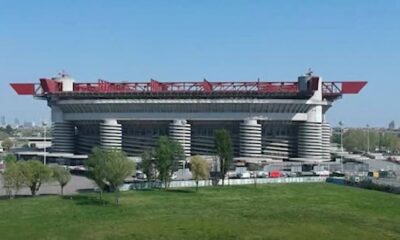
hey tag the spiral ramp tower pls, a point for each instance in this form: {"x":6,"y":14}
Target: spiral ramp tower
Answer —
{"x":326,"y":141}
{"x":179,"y":130}
{"x":110,"y":134}
{"x":250,"y":139}
{"x":310,"y":141}
{"x":87,"y":137}
{"x":63,"y":134}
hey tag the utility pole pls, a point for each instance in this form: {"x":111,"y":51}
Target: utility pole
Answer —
{"x":44,"y":143}
{"x":368,"y":138}
{"x":341,"y":143}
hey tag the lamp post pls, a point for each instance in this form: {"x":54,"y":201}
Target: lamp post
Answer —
{"x":44,"y":142}
{"x":368,"y":143}
{"x":341,"y":143}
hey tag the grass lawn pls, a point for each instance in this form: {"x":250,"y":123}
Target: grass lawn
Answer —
{"x":291,"y":211}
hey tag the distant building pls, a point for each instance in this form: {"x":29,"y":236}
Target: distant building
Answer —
{"x":28,"y":124}
{"x":3,"y":121}
{"x":392,"y":125}
{"x":16,"y":122}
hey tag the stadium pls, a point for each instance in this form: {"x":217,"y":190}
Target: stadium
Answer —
{"x":283,"y":121}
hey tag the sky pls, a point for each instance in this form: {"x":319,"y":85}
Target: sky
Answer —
{"x":217,"y":40}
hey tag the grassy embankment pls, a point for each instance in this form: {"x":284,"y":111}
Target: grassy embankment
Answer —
{"x":292,"y":211}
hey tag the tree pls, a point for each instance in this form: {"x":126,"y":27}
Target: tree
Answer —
{"x":13,"y":178}
{"x":7,"y":144}
{"x":118,"y":167}
{"x":10,"y":158}
{"x":96,"y":168}
{"x":62,"y":176}
{"x":109,"y":166}
{"x":357,"y":140}
{"x":3,"y":134}
{"x":148,"y":165}
{"x":200,"y":169}
{"x":35,"y":174}
{"x":167,"y":154}
{"x":223,"y":145}
{"x":9,"y":130}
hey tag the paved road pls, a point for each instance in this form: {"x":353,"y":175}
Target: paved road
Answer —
{"x":375,"y":165}
{"x":77,"y":183}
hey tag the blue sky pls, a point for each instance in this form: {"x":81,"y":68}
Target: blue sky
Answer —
{"x":217,"y":40}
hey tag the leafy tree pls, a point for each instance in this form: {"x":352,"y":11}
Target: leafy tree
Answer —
{"x":35,"y":174}
{"x":167,"y":154}
{"x":3,"y":134}
{"x":62,"y":176}
{"x":9,"y":130}
{"x":13,"y":178}
{"x":7,"y":144}
{"x":390,"y":141}
{"x":10,"y":158}
{"x":148,"y":165}
{"x":200,"y":169}
{"x":357,"y":140}
{"x":118,"y":167}
{"x":109,"y":166}
{"x":96,"y":168}
{"x":223,"y":145}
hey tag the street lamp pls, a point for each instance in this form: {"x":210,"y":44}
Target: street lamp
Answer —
{"x":341,"y":143}
{"x":368,"y":138}
{"x":44,"y":142}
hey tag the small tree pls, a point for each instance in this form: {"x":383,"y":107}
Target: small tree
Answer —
{"x":96,"y":168}
{"x":167,"y":154}
{"x":109,"y":167}
{"x":223,"y":145}
{"x":148,"y":165}
{"x":9,"y":130}
{"x":10,"y":158}
{"x":62,"y":176}
{"x":7,"y":144}
{"x":118,"y":167}
{"x":35,"y":174}
{"x":13,"y":178}
{"x":200,"y":169}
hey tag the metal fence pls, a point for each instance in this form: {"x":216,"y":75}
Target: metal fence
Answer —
{"x":228,"y":182}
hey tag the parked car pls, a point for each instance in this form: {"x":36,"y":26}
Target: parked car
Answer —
{"x":323,"y":173}
{"x":174,"y":176}
{"x":244,"y":175}
{"x":2,"y":166}
{"x":232,"y":175}
{"x":262,"y":174}
{"x":275,"y":174}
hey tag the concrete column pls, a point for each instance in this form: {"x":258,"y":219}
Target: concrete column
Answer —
{"x":63,"y":136}
{"x":310,"y":141}
{"x":326,"y":141}
{"x":250,"y":138}
{"x":110,"y":134}
{"x":179,"y":130}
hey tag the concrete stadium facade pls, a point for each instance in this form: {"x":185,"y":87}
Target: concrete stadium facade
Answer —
{"x":279,"y":121}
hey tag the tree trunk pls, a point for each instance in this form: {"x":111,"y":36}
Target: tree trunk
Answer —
{"x":116,"y":196}
{"x":197,"y":185}
{"x":62,"y":190}
{"x":165,"y":181}
{"x":33,"y":190}
{"x":101,"y":194}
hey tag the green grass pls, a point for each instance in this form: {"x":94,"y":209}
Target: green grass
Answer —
{"x":292,"y":211}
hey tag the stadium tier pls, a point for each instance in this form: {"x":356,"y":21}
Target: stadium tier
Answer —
{"x":266,"y":120}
